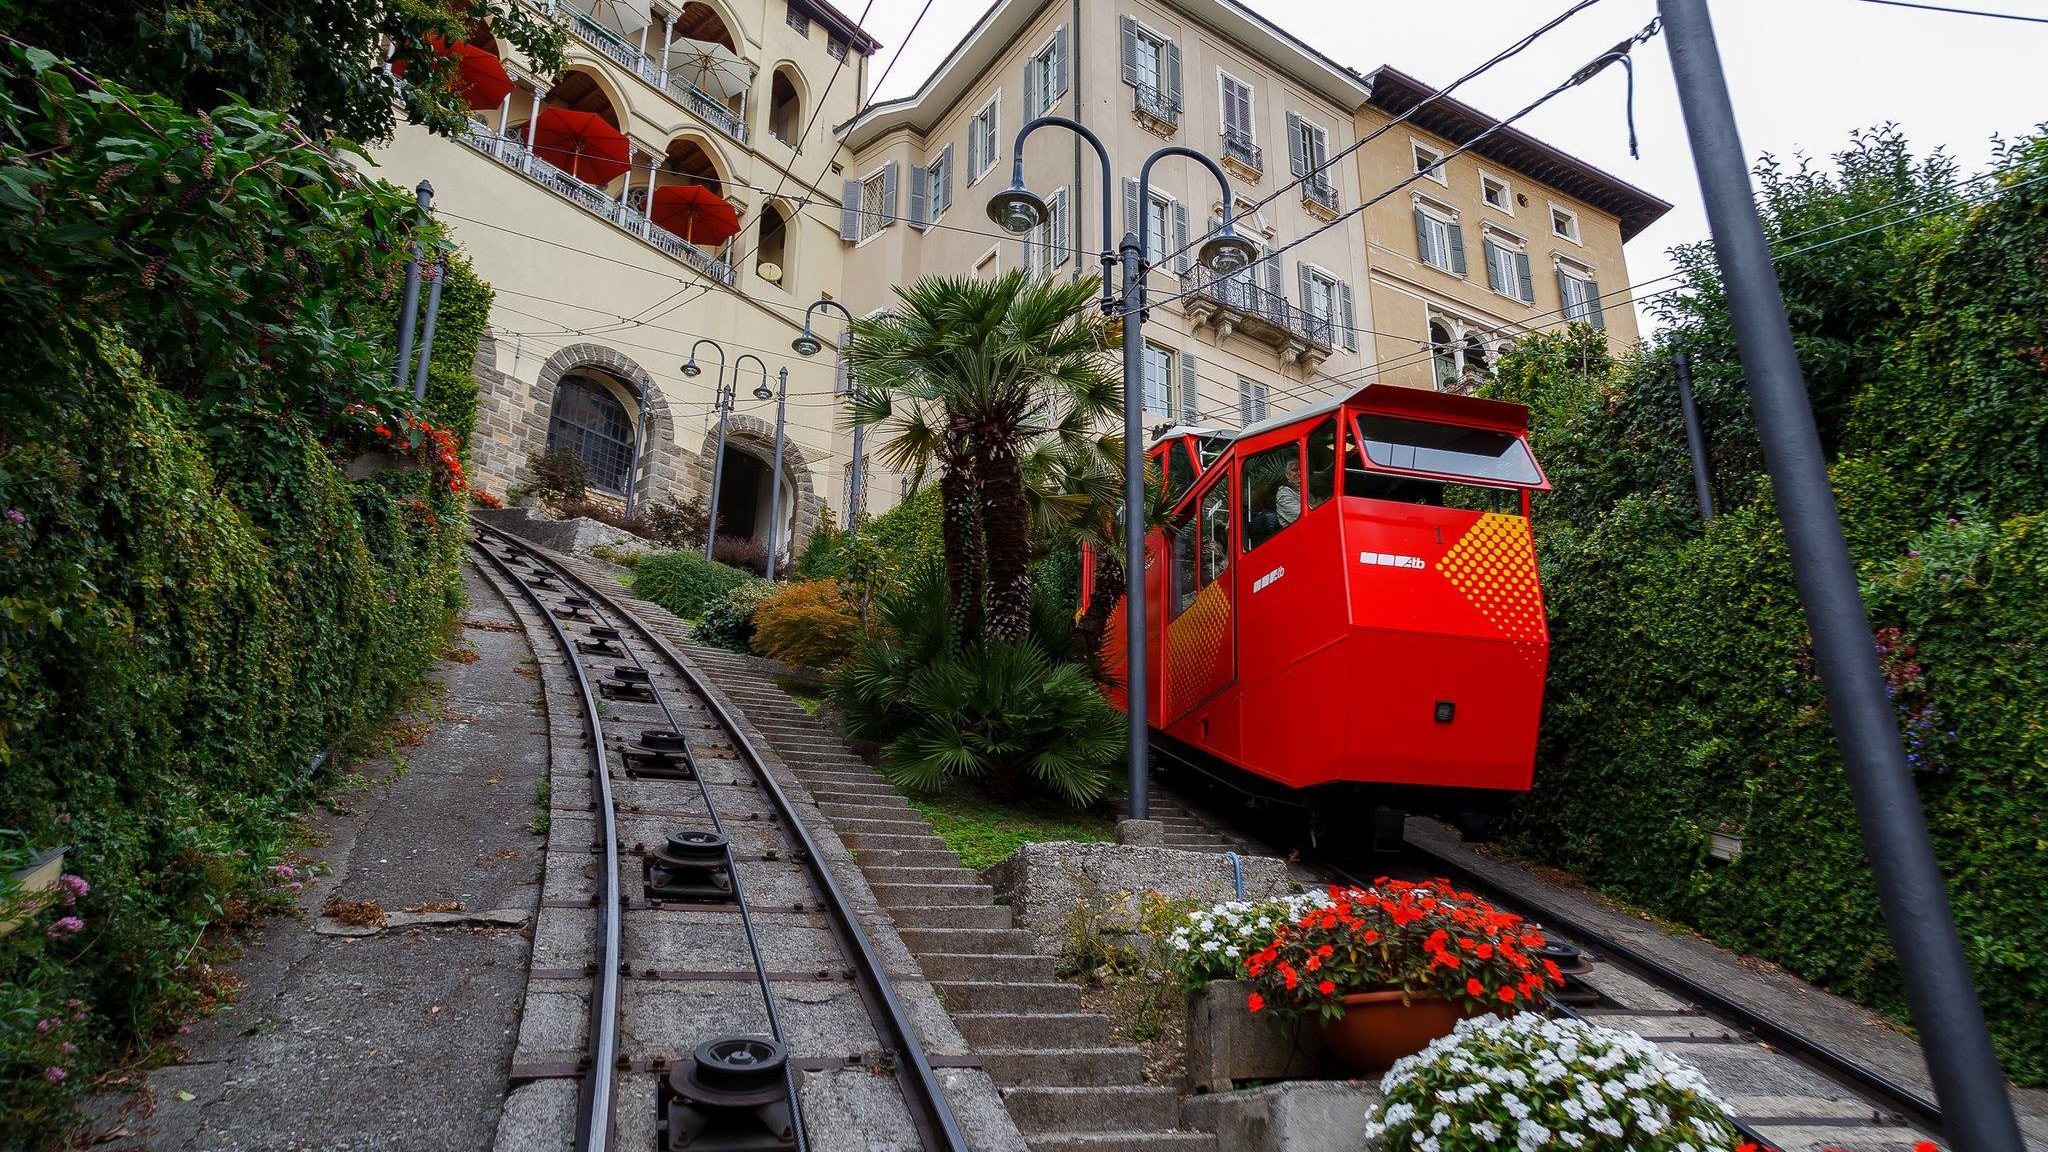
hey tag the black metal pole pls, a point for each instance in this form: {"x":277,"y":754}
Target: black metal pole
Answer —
{"x":410,"y":302}
{"x":419,"y":378}
{"x":1695,"y":438}
{"x":725,"y":399}
{"x":775,"y":484}
{"x":1954,"y":1041}
{"x":1137,"y":713}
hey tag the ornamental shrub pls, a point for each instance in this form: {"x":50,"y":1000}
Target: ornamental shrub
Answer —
{"x":1213,"y":943}
{"x":1542,"y":1085}
{"x":685,"y":583}
{"x":729,"y":624}
{"x":808,"y":624}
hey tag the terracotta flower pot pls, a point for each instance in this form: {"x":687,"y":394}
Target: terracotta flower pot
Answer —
{"x":1377,"y":1029}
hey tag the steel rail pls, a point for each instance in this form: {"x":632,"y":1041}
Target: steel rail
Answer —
{"x":929,"y":1108}
{"x":594,"y":1110}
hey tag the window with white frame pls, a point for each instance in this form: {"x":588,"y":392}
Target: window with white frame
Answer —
{"x":1507,"y":266}
{"x":1564,"y":223}
{"x":989,"y":266}
{"x":796,"y":19}
{"x":1319,"y":301}
{"x":1496,"y":193}
{"x":1045,"y":246}
{"x":939,"y":183}
{"x":1149,"y":57}
{"x":1158,"y":381}
{"x":982,"y":139}
{"x":1429,"y":161}
{"x":1158,"y":228}
{"x":1045,"y":76}
{"x":1439,"y":241}
{"x":1240,"y":138}
{"x":874,"y":202}
{"x":1580,"y":295}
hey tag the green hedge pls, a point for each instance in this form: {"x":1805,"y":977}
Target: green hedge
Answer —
{"x":686,"y":583}
{"x":1682,"y":698}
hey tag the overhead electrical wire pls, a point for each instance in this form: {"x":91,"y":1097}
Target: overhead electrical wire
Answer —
{"x":1960,"y":11}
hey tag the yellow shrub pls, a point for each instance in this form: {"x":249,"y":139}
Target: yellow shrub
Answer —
{"x":808,"y":624}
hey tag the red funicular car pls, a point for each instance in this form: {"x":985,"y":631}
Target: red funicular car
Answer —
{"x":1343,"y":610}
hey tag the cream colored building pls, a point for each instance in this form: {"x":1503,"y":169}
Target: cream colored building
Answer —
{"x":598,"y":309}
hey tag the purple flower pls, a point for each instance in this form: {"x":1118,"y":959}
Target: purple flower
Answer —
{"x":53,"y":1074}
{"x":67,"y":1047}
{"x":65,"y":927}
{"x":44,"y":1026}
{"x":15,"y":517}
{"x":282,"y":871}
{"x":73,"y":886}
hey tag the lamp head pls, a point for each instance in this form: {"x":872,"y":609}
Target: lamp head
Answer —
{"x":761,"y":392}
{"x":807,"y":344}
{"x":1017,"y":209}
{"x":690,"y":367}
{"x":1227,"y":252}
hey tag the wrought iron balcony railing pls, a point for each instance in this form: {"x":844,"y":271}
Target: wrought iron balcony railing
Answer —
{"x":627,"y":56}
{"x":1320,"y":191}
{"x":1239,"y":146}
{"x":513,"y":154}
{"x":1161,"y":106}
{"x":1255,"y":310}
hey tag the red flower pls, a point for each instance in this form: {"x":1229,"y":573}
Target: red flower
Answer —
{"x":1508,"y":994}
{"x":1327,"y":987}
{"x":1255,"y":1002}
{"x":1475,"y":989}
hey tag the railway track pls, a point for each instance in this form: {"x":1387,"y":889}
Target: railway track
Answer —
{"x":1789,"y":1088}
{"x":724,"y":960}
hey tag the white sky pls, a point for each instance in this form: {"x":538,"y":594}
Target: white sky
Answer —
{"x":1804,"y":73}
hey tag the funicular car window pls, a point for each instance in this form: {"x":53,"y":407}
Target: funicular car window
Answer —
{"x":1180,"y":473}
{"x":1322,"y":463}
{"x":1448,"y":450}
{"x":1215,"y":517}
{"x":1272,"y":493}
{"x":1201,"y":545}
{"x":1186,"y":557}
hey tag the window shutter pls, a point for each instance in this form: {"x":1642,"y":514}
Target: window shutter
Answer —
{"x":1346,"y":317}
{"x":1190,"y":394}
{"x":920,"y":197}
{"x":849,"y":212}
{"x":1296,"y":162}
{"x":1031,"y":105}
{"x":1186,"y":260}
{"x":1171,"y":81}
{"x":1301,"y":283}
{"x":973,"y":150}
{"x":944,"y":199}
{"x":1457,"y":249}
{"x":1131,"y":216}
{"x":1057,"y":248}
{"x":889,"y":192}
{"x":1422,"y":236}
{"x":1597,"y":314}
{"x":1525,"y":283}
{"x":1244,"y":401}
{"x":1488,"y":248}
{"x":1276,"y":296}
{"x":1564,"y":295}
{"x":1130,"y":27}
{"x":1059,"y":68}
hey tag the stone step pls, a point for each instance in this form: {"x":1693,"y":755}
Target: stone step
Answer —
{"x":977,"y":941}
{"x":1076,"y":1067}
{"x":955,"y":966}
{"x":887,"y":842}
{"x":882,"y":827}
{"x":996,"y":996}
{"x":1122,"y":1142}
{"x":857,"y":777}
{"x":909,"y":858}
{"x":1035,"y":1030}
{"x":867,"y":811}
{"x":928,"y":895}
{"x":1093,"y":1108}
{"x":958,"y":916}
{"x":885,"y":874}
{"x":850,"y":790}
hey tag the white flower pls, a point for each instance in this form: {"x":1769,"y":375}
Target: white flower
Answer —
{"x":1486,"y":1130}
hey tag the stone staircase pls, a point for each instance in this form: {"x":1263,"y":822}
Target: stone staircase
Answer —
{"x":1069,"y":1087}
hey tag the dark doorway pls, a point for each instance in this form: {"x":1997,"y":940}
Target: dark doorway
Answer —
{"x":740,"y":496}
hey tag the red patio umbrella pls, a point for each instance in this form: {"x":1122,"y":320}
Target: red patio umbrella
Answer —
{"x":695,"y":213}
{"x":581,"y":144}
{"x":479,"y":76}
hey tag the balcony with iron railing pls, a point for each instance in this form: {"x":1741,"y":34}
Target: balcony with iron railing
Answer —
{"x":613,"y":47}
{"x":1242,"y":154}
{"x":514,"y":154}
{"x":1319,"y":194}
{"x":1238,"y":304}
{"x":1158,"y":110}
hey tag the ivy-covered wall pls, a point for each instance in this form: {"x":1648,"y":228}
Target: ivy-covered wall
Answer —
{"x":195,"y":600}
{"x":1682,"y":700}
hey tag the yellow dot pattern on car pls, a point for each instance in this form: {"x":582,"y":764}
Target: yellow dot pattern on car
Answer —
{"x":1197,"y":645}
{"x":1494,"y":565}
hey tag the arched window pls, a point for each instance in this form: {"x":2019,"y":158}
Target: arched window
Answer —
{"x":1477,"y":362}
{"x":1445,"y":351}
{"x":774,"y":246}
{"x":589,"y":420}
{"x":785,"y":109}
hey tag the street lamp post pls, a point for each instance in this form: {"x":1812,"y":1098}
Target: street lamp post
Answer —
{"x":809,"y":345}
{"x":724,"y":401}
{"x":781,"y":397}
{"x":1018,"y":210}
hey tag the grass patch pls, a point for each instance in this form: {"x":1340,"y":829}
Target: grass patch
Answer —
{"x":808,"y":696}
{"x":984,"y":831}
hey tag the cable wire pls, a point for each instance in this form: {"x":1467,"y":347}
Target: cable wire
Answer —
{"x":1960,"y":11}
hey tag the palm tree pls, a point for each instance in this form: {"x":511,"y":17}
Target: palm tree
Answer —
{"x":972,"y":375}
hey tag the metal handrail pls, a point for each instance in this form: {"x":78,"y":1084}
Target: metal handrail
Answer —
{"x":1240,"y":146}
{"x":1155,"y":103}
{"x":1319,"y":189}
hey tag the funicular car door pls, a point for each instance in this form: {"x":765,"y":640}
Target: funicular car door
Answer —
{"x":1201,"y":626}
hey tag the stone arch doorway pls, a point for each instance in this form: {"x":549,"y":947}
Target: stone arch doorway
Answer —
{"x":743,"y":496}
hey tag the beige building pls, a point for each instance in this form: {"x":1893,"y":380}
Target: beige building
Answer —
{"x":600,"y":306}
